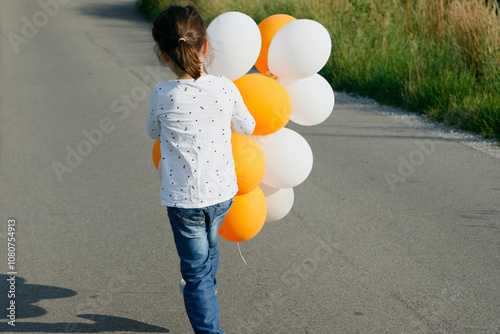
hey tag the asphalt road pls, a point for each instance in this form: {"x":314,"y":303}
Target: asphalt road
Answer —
{"x":396,"y":230}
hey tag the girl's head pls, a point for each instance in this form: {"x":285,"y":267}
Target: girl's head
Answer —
{"x":181,"y":39}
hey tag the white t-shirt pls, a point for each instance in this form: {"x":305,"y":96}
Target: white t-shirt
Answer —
{"x":193,"y":119}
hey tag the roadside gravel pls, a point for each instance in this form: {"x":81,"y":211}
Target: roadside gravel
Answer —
{"x":488,"y":146}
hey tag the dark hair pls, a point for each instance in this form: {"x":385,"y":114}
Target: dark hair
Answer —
{"x":180,"y":32}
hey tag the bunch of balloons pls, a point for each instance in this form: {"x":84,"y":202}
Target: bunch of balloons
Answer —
{"x":288,"y":53}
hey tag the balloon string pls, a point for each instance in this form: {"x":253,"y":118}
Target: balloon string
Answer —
{"x":241,"y":255}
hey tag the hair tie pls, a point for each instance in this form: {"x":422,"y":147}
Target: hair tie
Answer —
{"x":181,"y":39}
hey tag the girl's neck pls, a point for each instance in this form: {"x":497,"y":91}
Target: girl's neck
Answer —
{"x":185,"y":76}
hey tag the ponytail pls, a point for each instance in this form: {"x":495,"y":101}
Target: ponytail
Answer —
{"x":179,"y":33}
{"x":187,"y":57}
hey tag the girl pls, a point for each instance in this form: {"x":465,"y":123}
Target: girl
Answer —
{"x":193,"y":117}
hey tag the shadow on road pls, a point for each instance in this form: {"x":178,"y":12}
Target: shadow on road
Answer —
{"x":124,"y":11}
{"x":103,"y":323}
{"x":26,"y":295}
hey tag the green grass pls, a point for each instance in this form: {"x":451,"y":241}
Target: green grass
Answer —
{"x":436,"y":57}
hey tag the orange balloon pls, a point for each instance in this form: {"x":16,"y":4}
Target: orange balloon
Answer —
{"x":267,"y":100}
{"x":249,"y":163}
{"x":268,"y":28}
{"x":156,"y":153}
{"x":246,"y":217}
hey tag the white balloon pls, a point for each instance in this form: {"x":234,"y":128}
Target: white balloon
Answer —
{"x":236,"y":41}
{"x":299,"y":49}
{"x":279,"y":202}
{"x":312,"y":99}
{"x":289,"y":158}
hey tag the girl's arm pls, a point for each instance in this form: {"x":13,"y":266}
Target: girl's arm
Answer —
{"x":242,"y":121}
{"x":153,"y":124}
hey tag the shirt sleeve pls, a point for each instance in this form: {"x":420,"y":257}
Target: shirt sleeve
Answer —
{"x":153,"y":124}
{"x":242,"y":121}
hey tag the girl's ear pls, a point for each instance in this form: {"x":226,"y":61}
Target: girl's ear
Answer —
{"x":165,"y":57}
{"x":205,"y":47}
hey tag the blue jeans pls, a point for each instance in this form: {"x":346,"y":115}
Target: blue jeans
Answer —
{"x":195,"y":235}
